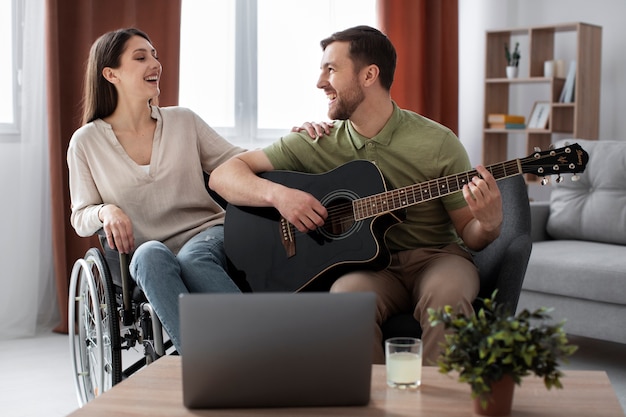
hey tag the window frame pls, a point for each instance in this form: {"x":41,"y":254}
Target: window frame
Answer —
{"x":10,"y":132}
{"x":245,"y":131}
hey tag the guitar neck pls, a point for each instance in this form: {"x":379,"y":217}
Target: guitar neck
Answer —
{"x":411,"y":195}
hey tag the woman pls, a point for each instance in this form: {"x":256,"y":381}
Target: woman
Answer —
{"x":136,"y":171}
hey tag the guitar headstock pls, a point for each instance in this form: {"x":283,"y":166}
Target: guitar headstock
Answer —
{"x":568,"y":159}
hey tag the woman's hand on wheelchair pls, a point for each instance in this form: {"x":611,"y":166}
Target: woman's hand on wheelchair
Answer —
{"x":118,"y":228}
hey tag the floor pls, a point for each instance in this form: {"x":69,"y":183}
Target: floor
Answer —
{"x":37,"y":381}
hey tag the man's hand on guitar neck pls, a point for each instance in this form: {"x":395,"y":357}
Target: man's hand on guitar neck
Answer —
{"x":479,"y":223}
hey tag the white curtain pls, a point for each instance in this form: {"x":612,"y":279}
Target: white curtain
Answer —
{"x":27,"y":299}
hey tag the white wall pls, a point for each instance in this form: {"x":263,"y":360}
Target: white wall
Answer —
{"x":478,"y":16}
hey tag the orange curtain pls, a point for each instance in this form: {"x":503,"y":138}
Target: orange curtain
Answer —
{"x":425,"y":34}
{"x":71,"y":27}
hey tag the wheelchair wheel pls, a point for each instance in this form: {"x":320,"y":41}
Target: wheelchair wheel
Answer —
{"x":95,"y":345}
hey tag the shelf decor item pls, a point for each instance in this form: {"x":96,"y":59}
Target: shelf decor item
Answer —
{"x":492,"y":350}
{"x":540,"y":115}
{"x":512,"y":72}
{"x":505,"y":121}
{"x":567,"y":94}
{"x":512,"y":60}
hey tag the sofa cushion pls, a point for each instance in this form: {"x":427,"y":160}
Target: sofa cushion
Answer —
{"x":577,"y":269}
{"x":594,"y":207}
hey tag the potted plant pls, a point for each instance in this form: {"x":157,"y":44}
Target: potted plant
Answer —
{"x":492,"y":347}
{"x":512,"y":60}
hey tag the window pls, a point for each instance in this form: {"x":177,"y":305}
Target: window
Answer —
{"x":10,"y":50}
{"x":250,"y":67}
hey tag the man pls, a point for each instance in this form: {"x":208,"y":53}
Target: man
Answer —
{"x":430,"y":264}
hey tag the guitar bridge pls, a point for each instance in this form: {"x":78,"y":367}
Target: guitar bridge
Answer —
{"x":288,"y":240}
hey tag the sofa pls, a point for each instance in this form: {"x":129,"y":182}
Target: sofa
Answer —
{"x":578,"y":260}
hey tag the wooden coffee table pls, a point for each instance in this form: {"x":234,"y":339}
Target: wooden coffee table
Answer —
{"x":156,"y":390}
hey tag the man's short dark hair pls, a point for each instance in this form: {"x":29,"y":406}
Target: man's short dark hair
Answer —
{"x":368,"y":46}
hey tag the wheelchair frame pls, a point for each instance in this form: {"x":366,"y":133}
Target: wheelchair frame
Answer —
{"x":105,"y":318}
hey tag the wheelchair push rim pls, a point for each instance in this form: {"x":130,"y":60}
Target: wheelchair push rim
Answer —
{"x":95,"y":344}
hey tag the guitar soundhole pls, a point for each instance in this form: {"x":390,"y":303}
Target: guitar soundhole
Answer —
{"x":340,"y":222}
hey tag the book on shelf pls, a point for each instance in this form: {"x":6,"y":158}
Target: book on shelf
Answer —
{"x":567,"y":93}
{"x":505,"y":118}
{"x":507,"y":126}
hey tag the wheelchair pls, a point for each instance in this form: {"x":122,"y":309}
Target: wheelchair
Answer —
{"x":107,"y":316}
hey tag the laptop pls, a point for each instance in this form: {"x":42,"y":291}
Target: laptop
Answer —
{"x":276,"y":349}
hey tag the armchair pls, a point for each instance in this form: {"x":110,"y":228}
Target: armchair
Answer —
{"x":502,"y":264}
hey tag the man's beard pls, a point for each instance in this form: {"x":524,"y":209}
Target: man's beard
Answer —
{"x":347,"y":104}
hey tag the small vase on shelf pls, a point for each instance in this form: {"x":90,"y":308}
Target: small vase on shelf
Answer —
{"x":511,"y":71}
{"x":512,"y":59}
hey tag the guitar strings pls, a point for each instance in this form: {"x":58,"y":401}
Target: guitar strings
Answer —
{"x":397,"y":197}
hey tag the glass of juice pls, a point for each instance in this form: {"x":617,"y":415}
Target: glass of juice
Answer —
{"x":403,"y":359}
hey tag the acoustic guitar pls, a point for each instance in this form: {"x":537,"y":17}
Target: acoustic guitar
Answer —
{"x":276,"y":257}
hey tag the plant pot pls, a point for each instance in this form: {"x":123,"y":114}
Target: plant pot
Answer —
{"x":511,"y":72}
{"x":500,"y":400}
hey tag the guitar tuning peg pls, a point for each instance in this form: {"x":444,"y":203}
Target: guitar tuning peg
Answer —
{"x":551,"y":146}
{"x":537,"y":149}
{"x":559,"y":179}
{"x":575,"y":177}
{"x":545,"y":181}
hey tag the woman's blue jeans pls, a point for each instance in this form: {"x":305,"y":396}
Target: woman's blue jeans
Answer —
{"x":199,"y":266}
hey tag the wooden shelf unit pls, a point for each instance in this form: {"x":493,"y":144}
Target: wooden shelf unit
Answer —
{"x":579,"y":119}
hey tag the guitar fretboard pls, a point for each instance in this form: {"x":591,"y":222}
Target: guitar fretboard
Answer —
{"x":376,"y":204}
